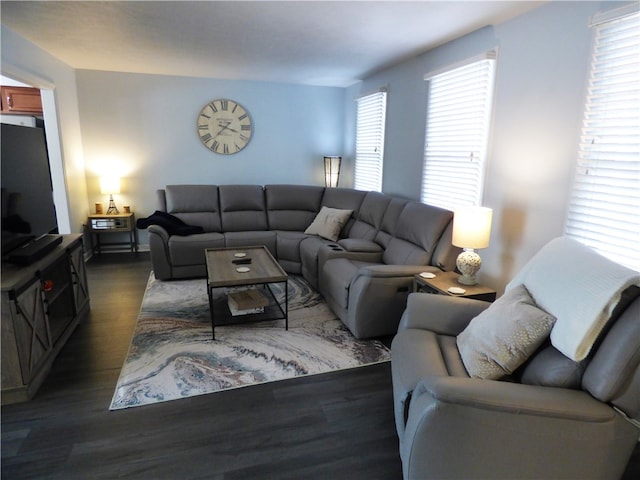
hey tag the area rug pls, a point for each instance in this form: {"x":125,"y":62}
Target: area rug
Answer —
{"x":172,"y":354}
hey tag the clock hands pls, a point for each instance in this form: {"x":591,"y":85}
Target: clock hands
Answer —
{"x":226,"y":127}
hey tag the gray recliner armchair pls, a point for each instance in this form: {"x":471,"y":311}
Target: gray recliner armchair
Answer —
{"x":553,"y":416}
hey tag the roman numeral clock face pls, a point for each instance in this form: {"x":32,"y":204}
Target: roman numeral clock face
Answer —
{"x":224,"y":126}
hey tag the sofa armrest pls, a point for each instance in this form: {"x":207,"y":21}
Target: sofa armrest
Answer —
{"x":460,"y":427}
{"x":515,"y":398}
{"x":159,"y":248}
{"x":360,"y":245}
{"x":440,"y":314}
{"x":158,"y":230}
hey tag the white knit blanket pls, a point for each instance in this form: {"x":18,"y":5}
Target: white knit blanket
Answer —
{"x":579,"y":287}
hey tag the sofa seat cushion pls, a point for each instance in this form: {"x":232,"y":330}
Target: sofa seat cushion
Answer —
{"x":190,"y":250}
{"x":360,"y":245}
{"x":504,"y":336}
{"x":288,"y":245}
{"x":252,"y":238}
{"x":337,"y":274}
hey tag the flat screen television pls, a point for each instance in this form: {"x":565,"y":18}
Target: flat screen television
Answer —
{"x":28,"y":210}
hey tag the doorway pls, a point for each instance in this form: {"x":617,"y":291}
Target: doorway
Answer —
{"x":54,"y":148}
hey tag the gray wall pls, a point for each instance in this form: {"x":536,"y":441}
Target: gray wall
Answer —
{"x":542,"y":68}
{"x":23,"y":61}
{"x":143,"y":127}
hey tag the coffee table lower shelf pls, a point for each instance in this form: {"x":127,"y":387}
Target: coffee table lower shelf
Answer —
{"x":221,"y":315}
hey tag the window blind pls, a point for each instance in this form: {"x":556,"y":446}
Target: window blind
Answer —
{"x":458,"y":117}
{"x":371,"y":113}
{"x":604,"y":209}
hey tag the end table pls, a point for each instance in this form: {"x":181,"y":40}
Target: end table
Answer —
{"x":441,"y":283}
{"x":100,"y":224}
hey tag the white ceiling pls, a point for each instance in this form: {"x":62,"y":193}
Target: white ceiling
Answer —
{"x":330,"y":43}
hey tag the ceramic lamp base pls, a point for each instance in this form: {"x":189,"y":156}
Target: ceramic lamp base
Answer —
{"x":468,"y":262}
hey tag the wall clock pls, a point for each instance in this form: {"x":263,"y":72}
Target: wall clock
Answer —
{"x":224,"y":126}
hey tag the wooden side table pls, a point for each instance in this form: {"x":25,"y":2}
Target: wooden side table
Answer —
{"x":441,"y":283}
{"x":100,"y":224}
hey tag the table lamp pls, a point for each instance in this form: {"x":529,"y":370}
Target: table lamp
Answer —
{"x":471,"y":229}
{"x":331,"y":171}
{"x":109,"y":186}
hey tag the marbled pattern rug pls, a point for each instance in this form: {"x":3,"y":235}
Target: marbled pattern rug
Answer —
{"x":172,"y":355}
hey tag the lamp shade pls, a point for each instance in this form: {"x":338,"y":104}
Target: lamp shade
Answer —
{"x":109,"y":185}
{"x":332,"y":171}
{"x":472,"y":227}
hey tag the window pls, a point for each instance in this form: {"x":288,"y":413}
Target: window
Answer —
{"x":604,"y":209}
{"x":370,"y":141}
{"x":458,"y":117}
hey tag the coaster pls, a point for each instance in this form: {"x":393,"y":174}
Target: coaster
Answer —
{"x":239,"y":254}
{"x":243,"y":269}
{"x":428,"y":275}
{"x":457,"y":290}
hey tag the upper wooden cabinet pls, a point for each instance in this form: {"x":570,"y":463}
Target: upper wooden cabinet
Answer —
{"x":21,"y":100}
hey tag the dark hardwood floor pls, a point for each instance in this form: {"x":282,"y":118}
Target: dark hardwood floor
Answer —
{"x":332,"y":426}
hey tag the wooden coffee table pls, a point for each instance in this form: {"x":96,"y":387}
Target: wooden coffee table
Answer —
{"x":263,"y":270}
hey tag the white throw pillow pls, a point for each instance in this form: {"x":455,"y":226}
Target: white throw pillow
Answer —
{"x":504,"y":336}
{"x":329,"y":222}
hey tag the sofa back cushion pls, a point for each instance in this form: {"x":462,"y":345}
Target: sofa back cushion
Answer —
{"x":418,"y":231}
{"x":242,"y":208}
{"x":369,"y":217}
{"x":194,"y":205}
{"x":344,"y":199}
{"x":610,"y":372}
{"x":390,"y":220}
{"x":550,"y":368}
{"x":613,"y":372}
{"x":292,"y":207}
{"x":446,"y":253}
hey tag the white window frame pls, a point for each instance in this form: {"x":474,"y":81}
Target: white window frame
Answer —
{"x":604,"y":207}
{"x":370,"y":131}
{"x":459,"y":112}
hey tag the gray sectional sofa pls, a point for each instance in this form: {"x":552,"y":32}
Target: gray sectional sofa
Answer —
{"x":365,"y":275}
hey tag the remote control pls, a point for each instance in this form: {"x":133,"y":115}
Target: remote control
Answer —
{"x":241,"y":261}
